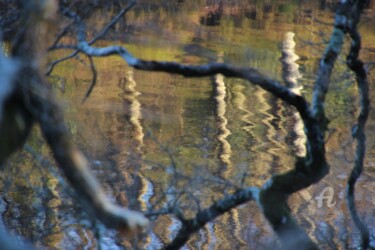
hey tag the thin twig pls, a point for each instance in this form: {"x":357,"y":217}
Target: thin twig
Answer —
{"x":208,"y":214}
{"x":93,"y":81}
{"x":102,"y":33}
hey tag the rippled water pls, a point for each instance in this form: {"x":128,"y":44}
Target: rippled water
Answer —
{"x":139,"y":128}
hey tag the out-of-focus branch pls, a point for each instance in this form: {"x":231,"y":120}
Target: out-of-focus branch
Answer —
{"x":308,"y":169}
{"x":358,"y":131}
{"x":15,"y":121}
{"x":8,"y":68}
{"x":38,"y":103}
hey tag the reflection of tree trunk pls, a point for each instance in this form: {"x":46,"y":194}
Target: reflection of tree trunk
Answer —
{"x":240,"y":102}
{"x":134,"y":113}
{"x":225,"y":153}
{"x":268,"y":147}
{"x":139,"y":186}
{"x":290,"y":76}
{"x":225,"y":150}
{"x":220,"y":95}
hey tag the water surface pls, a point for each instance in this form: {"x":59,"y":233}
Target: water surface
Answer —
{"x":142,"y":130}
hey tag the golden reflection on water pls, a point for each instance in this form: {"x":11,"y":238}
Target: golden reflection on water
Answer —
{"x":291,"y":76}
{"x":210,"y":125}
{"x":225,"y":151}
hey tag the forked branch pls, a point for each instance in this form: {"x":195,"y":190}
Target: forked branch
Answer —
{"x":307,"y":170}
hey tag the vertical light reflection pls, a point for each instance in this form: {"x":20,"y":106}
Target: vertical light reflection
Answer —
{"x":237,"y":228}
{"x":225,"y":148}
{"x":211,"y":236}
{"x":146,"y":188}
{"x":135,"y":115}
{"x":291,"y":75}
{"x":225,"y":151}
{"x":268,"y":146}
{"x":202,"y":239}
{"x":240,"y":103}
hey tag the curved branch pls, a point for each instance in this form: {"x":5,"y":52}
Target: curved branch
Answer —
{"x":206,"y":215}
{"x":39,"y":102}
{"x":307,"y":170}
{"x":250,"y":74}
{"x":358,"y":130}
{"x":313,"y":167}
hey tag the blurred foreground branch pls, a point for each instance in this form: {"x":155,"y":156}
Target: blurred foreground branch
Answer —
{"x":30,"y":99}
{"x":37,"y":103}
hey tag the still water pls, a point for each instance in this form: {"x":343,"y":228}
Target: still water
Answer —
{"x":156,"y":137}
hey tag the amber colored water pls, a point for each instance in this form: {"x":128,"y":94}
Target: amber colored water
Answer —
{"x":148,"y":134}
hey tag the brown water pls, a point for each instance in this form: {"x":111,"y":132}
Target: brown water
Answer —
{"x":139,"y":129}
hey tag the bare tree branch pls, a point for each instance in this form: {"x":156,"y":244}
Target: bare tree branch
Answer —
{"x":249,"y":74}
{"x":93,"y":81}
{"x":308,"y":170}
{"x":101,"y":34}
{"x":39,"y":103}
{"x":358,"y":131}
{"x":272,"y":197}
{"x":206,"y":215}
{"x":314,"y":166}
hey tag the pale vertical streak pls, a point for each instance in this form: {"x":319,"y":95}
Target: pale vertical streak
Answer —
{"x":135,"y":115}
{"x":267,"y":148}
{"x":211,"y":236}
{"x":291,"y":75}
{"x":240,"y":102}
{"x":237,"y":227}
{"x":221,"y":106}
{"x":225,"y":150}
{"x":224,"y":132}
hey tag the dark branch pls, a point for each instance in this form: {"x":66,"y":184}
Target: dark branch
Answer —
{"x":206,"y":215}
{"x":307,"y":170}
{"x":358,"y":130}
{"x":93,"y":81}
{"x":313,"y":167}
{"x":100,"y":35}
{"x":250,"y":74}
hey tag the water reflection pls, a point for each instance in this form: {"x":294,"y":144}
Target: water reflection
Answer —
{"x":134,"y":114}
{"x":291,"y":76}
{"x":224,"y":151}
{"x":213,"y":10}
{"x":220,"y":126}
